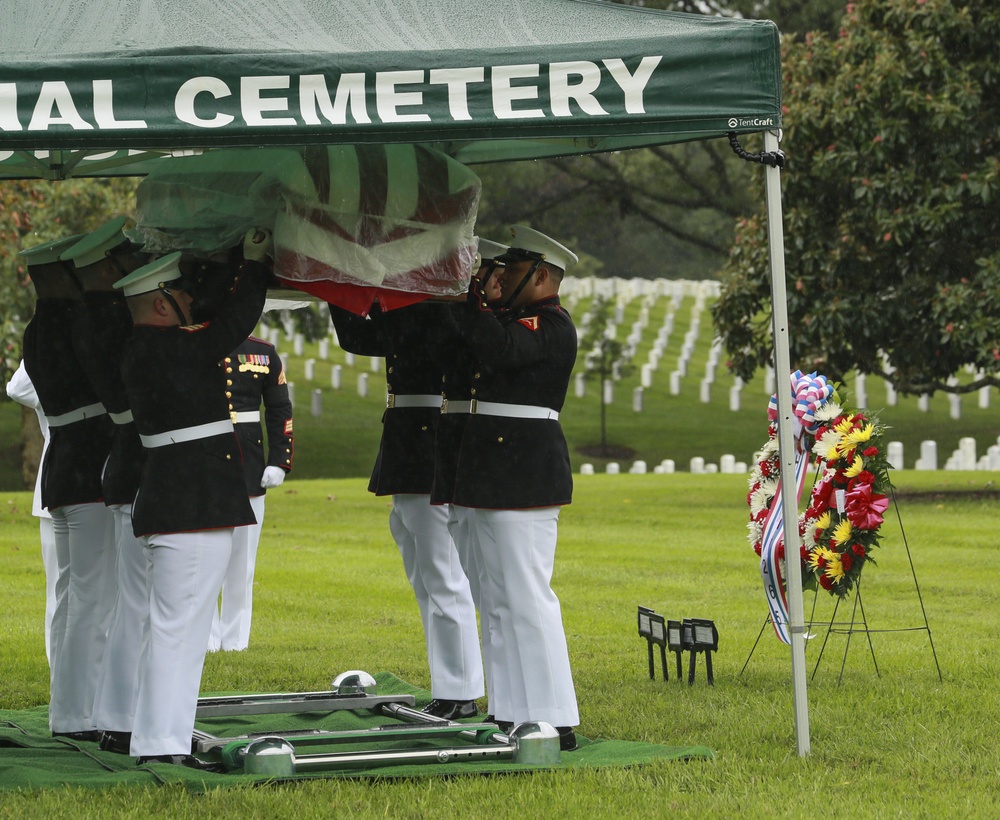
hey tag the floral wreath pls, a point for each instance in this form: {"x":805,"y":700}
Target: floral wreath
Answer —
{"x":840,"y":528}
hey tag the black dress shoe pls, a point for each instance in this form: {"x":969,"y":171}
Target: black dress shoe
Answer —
{"x":117,"y":742}
{"x":190,"y":761}
{"x":567,"y":738}
{"x":451,"y":709}
{"x":91,"y":736}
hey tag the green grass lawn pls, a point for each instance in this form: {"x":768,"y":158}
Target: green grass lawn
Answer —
{"x":331,"y":596}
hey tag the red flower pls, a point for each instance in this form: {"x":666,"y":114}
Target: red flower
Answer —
{"x":826,"y":582}
{"x":846,"y":560}
{"x":862,"y":478}
{"x":858,"y":550}
{"x":870,"y":452}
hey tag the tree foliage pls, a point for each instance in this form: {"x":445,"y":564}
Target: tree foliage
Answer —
{"x":892,"y":129}
{"x":32,"y":213}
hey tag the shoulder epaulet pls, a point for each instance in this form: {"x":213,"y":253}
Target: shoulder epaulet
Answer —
{"x":192,"y":328}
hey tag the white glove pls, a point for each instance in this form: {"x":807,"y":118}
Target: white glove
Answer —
{"x":273,"y":476}
{"x":257,"y":244}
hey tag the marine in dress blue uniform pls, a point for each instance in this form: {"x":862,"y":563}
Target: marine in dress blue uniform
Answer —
{"x":254,"y":374}
{"x":459,"y":376}
{"x":80,"y":435}
{"x":102,"y":329}
{"x":191,"y":491}
{"x":412,"y":340}
{"x":514,"y":471}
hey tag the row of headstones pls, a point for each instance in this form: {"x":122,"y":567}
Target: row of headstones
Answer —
{"x":698,"y":466}
{"x":963,"y":458}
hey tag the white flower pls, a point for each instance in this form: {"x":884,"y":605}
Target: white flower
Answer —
{"x":828,"y":411}
{"x":826,"y":446}
{"x":770,"y":447}
{"x":760,"y":499}
{"x":755,"y":532}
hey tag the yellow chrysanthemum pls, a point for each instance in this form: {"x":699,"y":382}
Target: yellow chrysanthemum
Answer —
{"x":844,"y":425}
{"x":834,"y":567}
{"x":856,"y":467}
{"x":823,"y":521}
{"x":857,"y":437}
{"x":822,"y":553}
{"x":842,"y":532}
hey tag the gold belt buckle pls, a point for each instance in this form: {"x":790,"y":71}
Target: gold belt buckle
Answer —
{"x":232,"y":415}
{"x":473,"y":406}
{"x":444,"y":405}
{"x":390,"y":400}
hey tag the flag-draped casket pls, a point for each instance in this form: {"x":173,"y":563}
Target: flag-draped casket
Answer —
{"x":351,"y":222}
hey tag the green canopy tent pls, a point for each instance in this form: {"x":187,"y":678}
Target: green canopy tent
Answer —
{"x":110,"y":87}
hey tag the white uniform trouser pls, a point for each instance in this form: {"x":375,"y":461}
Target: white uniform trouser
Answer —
{"x":231,"y":621}
{"x":85,"y":556}
{"x":435,"y":572}
{"x":185,"y":576}
{"x":47,"y":535}
{"x":518,"y":549}
{"x":461,"y":525}
{"x":114,"y":706}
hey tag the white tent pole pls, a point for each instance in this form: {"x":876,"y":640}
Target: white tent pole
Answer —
{"x":786,"y":446}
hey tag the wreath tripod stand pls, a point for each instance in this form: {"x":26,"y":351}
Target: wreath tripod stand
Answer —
{"x":858,"y":623}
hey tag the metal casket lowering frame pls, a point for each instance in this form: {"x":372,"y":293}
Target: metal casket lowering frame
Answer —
{"x":278,"y":754}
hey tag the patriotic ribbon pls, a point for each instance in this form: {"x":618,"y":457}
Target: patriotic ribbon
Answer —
{"x":809,"y":393}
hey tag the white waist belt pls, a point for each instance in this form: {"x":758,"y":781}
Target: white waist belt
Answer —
{"x":245,"y":417}
{"x":495,"y":408}
{"x":213,"y":428}
{"x":89,"y":412}
{"x":121,"y":418}
{"x":414,"y":400}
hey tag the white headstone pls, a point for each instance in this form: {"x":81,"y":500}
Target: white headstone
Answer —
{"x":894,"y":454}
{"x":638,"y":468}
{"x":727,"y":464}
{"x":984,"y":397}
{"x":348,"y":359}
{"x":310,"y":368}
{"x":637,"y":400}
{"x":734,"y":397}
{"x":646,"y":375}
{"x":324,"y":349}
{"x":273,"y":336}
{"x":711,"y":468}
{"x":860,"y":391}
{"x":297,"y":343}
{"x":316,"y":403}
{"x":740,"y":467}
{"x":363,"y":384}
{"x":967,"y":447}
{"x":579,"y":385}
{"x":613,"y":468}
{"x":769,"y":380}
{"x":586,"y":469}
{"x":375,"y":364}
{"x":924,"y":403}
{"x":675,"y":383}
{"x":697,"y":465}
{"x":928,"y":455}
{"x":609,"y":391}
{"x":705,"y":391}
{"x":891,"y":397}
{"x":291,"y":392}
{"x":954,"y":405}
{"x":994,"y":457}
{"x":668,"y":465}
{"x":336,"y":373}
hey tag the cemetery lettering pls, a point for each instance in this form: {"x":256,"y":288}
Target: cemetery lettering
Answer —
{"x":504,"y":92}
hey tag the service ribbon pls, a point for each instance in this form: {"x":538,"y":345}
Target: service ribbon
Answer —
{"x":809,"y":393}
